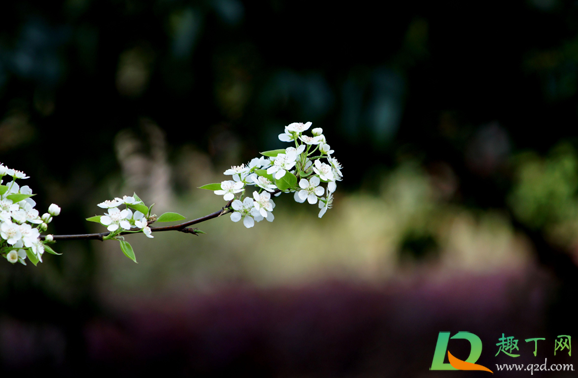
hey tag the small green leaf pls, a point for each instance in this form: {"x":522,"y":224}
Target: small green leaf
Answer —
{"x":150,"y":209}
{"x":32,"y":256}
{"x":17,"y":197}
{"x":263,"y":172}
{"x":137,"y":198}
{"x":95,"y":219}
{"x":288,"y":181}
{"x":211,"y":187}
{"x":127,"y":250}
{"x":273,"y":153}
{"x":197,"y":231}
{"x":50,"y":250}
{"x":170,"y":217}
{"x":3,"y":189}
{"x":140,"y":207}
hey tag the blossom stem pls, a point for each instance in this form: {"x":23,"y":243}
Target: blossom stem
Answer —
{"x":182,"y":227}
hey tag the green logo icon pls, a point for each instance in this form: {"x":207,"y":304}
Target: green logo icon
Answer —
{"x":455,"y":363}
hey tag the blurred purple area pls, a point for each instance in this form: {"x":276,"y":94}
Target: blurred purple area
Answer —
{"x":329,"y":329}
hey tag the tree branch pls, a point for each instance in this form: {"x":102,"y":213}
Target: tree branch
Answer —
{"x":183,"y":227}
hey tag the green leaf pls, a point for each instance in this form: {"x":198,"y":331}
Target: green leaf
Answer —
{"x":127,"y":250}
{"x":17,"y":197}
{"x":3,"y":189}
{"x":50,"y":250}
{"x":137,"y":198}
{"x":288,"y":181}
{"x":199,"y":231}
{"x":95,"y":219}
{"x":140,"y":207}
{"x":170,"y":217}
{"x":32,"y":256}
{"x":211,"y":187}
{"x":273,"y":153}
{"x":263,"y":172}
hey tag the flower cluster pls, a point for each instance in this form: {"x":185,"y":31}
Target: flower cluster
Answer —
{"x":133,"y":218}
{"x":20,"y":222}
{"x":309,"y":170}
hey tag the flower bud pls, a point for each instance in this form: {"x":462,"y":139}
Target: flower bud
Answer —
{"x":325,"y":148}
{"x":46,"y":218}
{"x":43,"y":227}
{"x":49,"y":238}
{"x":317,"y":131}
{"x":54,"y":209}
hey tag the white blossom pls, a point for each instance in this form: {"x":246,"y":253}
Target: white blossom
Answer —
{"x":259,"y":162}
{"x":264,"y":182}
{"x":129,"y":200}
{"x":8,"y":205}
{"x":282,"y":164}
{"x":325,"y":204}
{"x":139,"y":219}
{"x":29,"y":235}
{"x":310,"y":190}
{"x":298,"y":127}
{"x":287,"y":136}
{"x":19,"y":216}
{"x":110,"y":203}
{"x":229,"y":188}
{"x":38,"y":249}
{"x":148,"y":232}
{"x":237,"y":170}
{"x":19,"y":174}
{"x":12,"y":256}
{"x":116,"y":218}
{"x":264,"y":204}
{"x":295,"y":151}
{"x":324,"y":171}
{"x":311,"y":140}
{"x":10,"y":232}
{"x":336,"y":167}
{"x":245,"y":210}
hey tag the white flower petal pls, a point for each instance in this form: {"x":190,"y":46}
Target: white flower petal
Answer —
{"x":237,"y":205}
{"x":248,"y":222}
{"x":235,"y":217}
{"x":331,"y":186}
{"x":312,"y":199}
{"x":298,"y":197}
{"x":314,"y":181}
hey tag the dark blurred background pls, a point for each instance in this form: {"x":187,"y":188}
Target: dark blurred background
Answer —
{"x":456,"y":126}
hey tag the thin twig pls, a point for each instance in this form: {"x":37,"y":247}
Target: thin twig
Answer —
{"x":182,"y":227}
